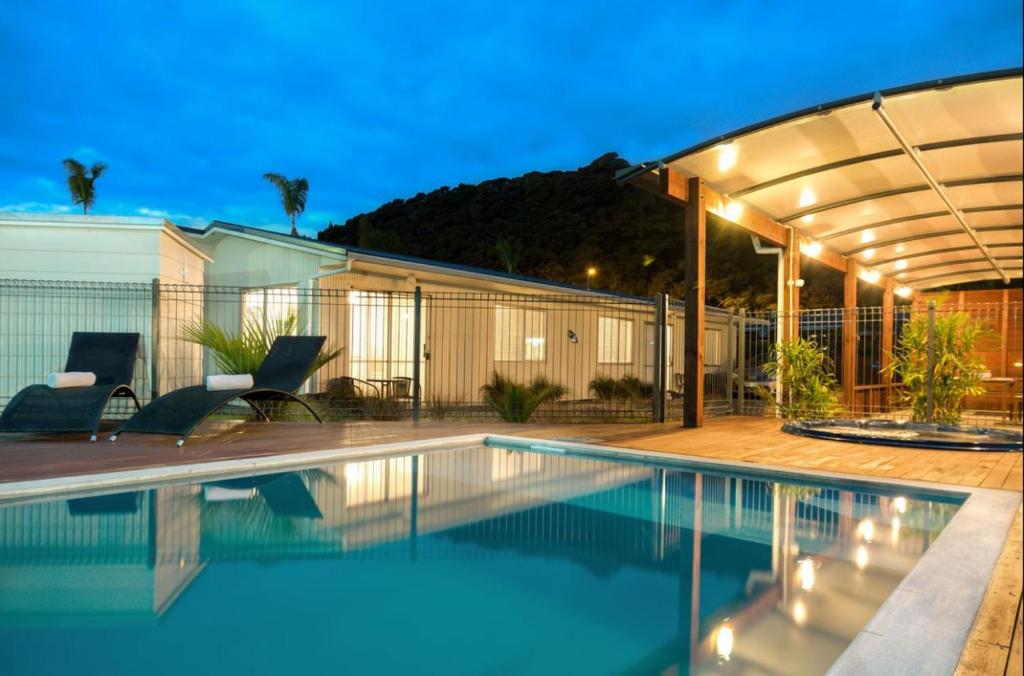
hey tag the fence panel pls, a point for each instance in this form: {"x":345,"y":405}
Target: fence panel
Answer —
{"x":37,"y":319}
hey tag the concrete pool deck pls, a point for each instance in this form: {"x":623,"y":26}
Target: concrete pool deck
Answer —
{"x":993,"y":646}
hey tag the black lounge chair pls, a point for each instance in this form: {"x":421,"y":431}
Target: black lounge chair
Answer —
{"x":285,"y":368}
{"x":42,"y":409}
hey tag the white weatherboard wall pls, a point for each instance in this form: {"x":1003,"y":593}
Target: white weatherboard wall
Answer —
{"x":68,"y":273}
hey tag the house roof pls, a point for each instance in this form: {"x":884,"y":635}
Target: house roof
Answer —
{"x":922,"y":183}
{"x":412,"y":262}
{"x":268,"y":237}
{"x":175,"y":232}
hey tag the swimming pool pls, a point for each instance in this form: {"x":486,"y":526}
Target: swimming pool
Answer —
{"x":465,"y":560}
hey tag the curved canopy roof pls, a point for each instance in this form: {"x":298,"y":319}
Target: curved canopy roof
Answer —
{"x":921,"y":183}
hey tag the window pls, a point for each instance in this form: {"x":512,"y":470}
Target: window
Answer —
{"x":511,"y":464}
{"x":380,"y":481}
{"x":614,"y":340}
{"x":381,"y":331}
{"x":649,"y":334}
{"x":712,"y":347}
{"x":271,"y":308}
{"x":519,"y":334}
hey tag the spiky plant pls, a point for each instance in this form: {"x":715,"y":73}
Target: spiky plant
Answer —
{"x":958,"y":368}
{"x":81,"y":181}
{"x":808,"y":379}
{"x":509,"y":253}
{"x":516,"y":402}
{"x":627,"y":387}
{"x":243,"y":351}
{"x":293,"y":195}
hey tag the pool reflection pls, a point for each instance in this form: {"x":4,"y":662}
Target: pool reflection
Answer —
{"x":767,"y":576}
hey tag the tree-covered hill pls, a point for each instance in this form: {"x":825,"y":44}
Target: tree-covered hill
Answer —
{"x":557,"y":224}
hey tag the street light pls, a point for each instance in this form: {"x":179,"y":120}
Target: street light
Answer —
{"x":591,"y":272}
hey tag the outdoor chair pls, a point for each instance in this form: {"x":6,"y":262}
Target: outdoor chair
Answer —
{"x":43,"y":409}
{"x":282,"y":372}
{"x":402,"y":387}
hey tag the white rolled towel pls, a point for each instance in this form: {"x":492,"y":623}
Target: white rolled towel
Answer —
{"x":71,"y":379}
{"x":242,"y":381}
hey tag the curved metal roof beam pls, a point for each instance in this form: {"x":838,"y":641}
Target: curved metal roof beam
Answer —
{"x":981,"y":180}
{"x":937,"y":252}
{"x":928,"y":235}
{"x":946,"y":264}
{"x":962,"y":273}
{"x":917,"y":217}
{"x":883,"y":155}
{"x":878,"y":105}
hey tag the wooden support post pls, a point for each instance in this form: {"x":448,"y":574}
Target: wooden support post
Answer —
{"x":849,"y":379}
{"x":888,"y":322}
{"x":695,"y":239}
{"x":791,"y":263}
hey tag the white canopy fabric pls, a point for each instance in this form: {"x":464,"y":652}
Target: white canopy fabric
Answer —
{"x":839,"y":176}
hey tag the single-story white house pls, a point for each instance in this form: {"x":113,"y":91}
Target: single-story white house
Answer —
{"x":98,"y":272}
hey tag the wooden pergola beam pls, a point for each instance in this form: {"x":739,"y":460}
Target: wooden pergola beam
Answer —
{"x":849,"y":379}
{"x":695,"y":239}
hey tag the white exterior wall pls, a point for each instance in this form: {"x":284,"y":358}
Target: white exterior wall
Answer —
{"x":103,"y":251}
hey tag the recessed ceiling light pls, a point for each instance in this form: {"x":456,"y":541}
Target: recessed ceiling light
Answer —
{"x":868,"y":253}
{"x":901,"y":264}
{"x":726,"y":157}
{"x":866,"y":237}
{"x":807,"y":197}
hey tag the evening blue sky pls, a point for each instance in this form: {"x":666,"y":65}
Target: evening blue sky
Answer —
{"x":189,"y":103}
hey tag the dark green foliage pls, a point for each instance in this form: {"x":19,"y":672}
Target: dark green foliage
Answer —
{"x":807,"y":377}
{"x":629,"y":387}
{"x":82,"y":182}
{"x":516,"y":402}
{"x":293,"y":195}
{"x":567,"y":221}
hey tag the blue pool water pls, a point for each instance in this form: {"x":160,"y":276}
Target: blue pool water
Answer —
{"x":471,"y":560}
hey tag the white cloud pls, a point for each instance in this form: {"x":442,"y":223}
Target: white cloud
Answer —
{"x":36,"y":207}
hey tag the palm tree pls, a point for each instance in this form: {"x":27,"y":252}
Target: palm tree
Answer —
{"x":293,"y":195}
{"x":509,"y":252}
{"x":80,"y":182}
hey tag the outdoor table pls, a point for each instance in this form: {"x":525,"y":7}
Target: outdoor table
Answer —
{"x":1004,"y":390}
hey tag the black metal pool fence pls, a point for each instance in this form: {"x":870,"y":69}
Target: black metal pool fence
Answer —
{"x":450,"y":355}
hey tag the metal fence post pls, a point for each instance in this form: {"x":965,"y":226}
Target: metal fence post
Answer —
{"x":739,"y":404}
{"x":154,"y":340}
{"x":930,"y":375}
{"x":660,"y":357}
{"x":417,"y":333}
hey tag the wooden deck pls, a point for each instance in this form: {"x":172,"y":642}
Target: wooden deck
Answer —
{"x":994,"y":646}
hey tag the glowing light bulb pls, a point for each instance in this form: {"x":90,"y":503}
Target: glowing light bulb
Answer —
{"x":871,"y":276}
{"x":805,"y":573}
{"x":809,"y":218}
{"x":812,"y":248}
{"x":799,"y":612}
{"x":868,"y":254}
{"x":862,"y":557}
{"x":867,"y":237}
{"x":807,"y":197}
{"x":866,"y":530}
{"x":724,"y":641}
{"x":904,"y":291}
{"x":726,"y":156}
{"x":733,"y":210}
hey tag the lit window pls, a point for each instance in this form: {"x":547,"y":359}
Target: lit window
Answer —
{"x":381,"y":331}
{"x":273,"y":309}
{"x":614,"y":340}
{"x":379,"y":481}
{"x":519,"y":334}
{"x":511,"y":464}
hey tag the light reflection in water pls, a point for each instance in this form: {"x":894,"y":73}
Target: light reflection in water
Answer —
{"x":731,"y":567}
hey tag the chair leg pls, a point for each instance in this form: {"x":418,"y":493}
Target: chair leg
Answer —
{"x":259,"y":411}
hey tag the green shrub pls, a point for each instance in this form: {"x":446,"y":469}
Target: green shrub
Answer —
{"x":516,"y":402}
{"x":244,"y":350}
{"x":957,"y":368}
{"x":607,"y":388}
{"x":808,"y":379}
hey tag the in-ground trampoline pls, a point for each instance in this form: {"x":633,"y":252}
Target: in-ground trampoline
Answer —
{"x":909,"y":434}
